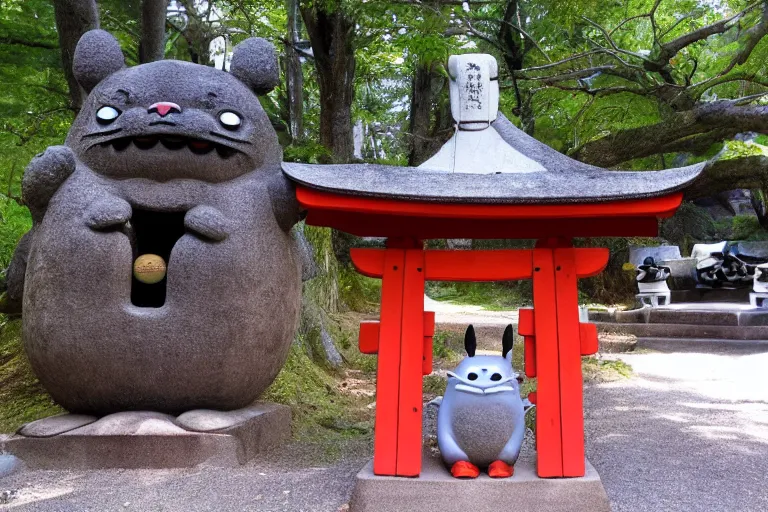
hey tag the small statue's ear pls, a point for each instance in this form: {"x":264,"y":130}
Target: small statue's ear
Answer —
{"x":254,"y":62}
{"x":97,"y":56}
{"x":470,"y":342}
{"x":507,"y":340}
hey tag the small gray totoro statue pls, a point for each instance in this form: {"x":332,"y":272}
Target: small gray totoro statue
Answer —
{"x":481,"y":421}
{"x":176,"y":161}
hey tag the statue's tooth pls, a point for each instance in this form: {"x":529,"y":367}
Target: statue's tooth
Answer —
{"x":173,"y":143}
{"x":200,"y":147}
{"x":121,"y":144}
{"x":224,"y":151}
{"x":145,"y":142}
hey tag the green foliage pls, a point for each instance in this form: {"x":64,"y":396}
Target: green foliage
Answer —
{"x":319,"y":410}
{"x":604,"y":370}
{"x":14,"y":222}
{"x":435,"y":384}
{"x":22,"y":398}
{"x":357,"y":292}
{"x":741,"y":227}
{"x":689,"y":225}
{"x":443,"y":346}
{"x":492,"y":296}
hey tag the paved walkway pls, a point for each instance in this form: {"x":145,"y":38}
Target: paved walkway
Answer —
{"x":450,"y":313}
{"x":688,"y":433}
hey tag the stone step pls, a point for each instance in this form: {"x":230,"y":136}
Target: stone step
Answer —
{"x":708,"y":345}
{"x":691,"y":316}
{"x":700,"y":331}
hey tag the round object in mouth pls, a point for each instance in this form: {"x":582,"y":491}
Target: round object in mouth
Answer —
{"x":149,"y":268}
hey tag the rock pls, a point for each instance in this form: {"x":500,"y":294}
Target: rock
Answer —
{"x":331,"y":352}
{"x":8,"y":464}
{"x":134,"y":440}
{"x":55,"y":425}
{"x":131,"y":423}
{"x":616,"y":342}
{"x":8,"y":496}
{"x":207,"y":420}
{"x":309,"y":268}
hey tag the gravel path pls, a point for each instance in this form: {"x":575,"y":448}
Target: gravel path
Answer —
{"x":450,"y":313}
{"x":688,"y":433}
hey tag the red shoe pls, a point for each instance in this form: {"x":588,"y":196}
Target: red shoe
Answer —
{"x":464,"y":469}
{"x":500,"y":469}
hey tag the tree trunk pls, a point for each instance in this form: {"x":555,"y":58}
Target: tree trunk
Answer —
{"x":430,"y":117}
{"x":73,"y":19}
{"x":757,"y":198}
{"x":294,"y":74}
{"x":331,"y":36}
{"x":421,"y":114}
{"x":152,"y":44}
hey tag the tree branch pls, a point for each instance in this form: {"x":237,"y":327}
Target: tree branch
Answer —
{"x":31,"y":44}
{"x":692,"y":130}
{"x":722,"y":175}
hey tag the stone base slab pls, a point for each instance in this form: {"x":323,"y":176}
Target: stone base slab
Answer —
{"x":437,"y":490}
{"x":135,"y":440}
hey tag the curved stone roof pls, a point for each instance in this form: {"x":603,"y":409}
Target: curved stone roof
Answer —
{"x":563,"y":180}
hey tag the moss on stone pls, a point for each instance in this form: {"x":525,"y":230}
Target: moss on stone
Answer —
{"x":22,"y":397}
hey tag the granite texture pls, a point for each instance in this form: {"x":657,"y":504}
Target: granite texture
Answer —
{"x":436,"y":490}
{"x":55,"y":425}
{"x":173,"y":180}
{"x":146,"y":439}
{"x":565,"y":180}
{"x":206,"y":420}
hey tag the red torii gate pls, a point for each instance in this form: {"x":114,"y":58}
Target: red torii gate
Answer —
{"x":555,"y":339}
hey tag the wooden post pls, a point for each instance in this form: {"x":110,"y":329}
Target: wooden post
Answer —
{"x":549,"y":444}
{"x":388,"y":371}
{"x":569,"y":362}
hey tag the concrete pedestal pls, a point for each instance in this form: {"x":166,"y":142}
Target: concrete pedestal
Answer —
{"x":437,"y":490}
{"x":143,"y":439}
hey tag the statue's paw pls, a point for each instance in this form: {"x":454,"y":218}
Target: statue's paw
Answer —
{"x":500,"y":469}
{"x":207,"y":223}
{"x":108,"y":213}
{"x":464,"y":469}
{"x":43,"y":177}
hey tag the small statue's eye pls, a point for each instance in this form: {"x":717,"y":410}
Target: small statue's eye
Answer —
{"x":472,"y":376}
{"x":230,"y":120}
{"x":106,"y":114}
{"x":496,"y":376}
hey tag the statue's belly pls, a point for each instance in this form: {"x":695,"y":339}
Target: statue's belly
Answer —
{"x":218,"y":340}
{"x":482,"y":427}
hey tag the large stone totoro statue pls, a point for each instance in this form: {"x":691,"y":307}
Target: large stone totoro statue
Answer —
{"x":180,"y":161}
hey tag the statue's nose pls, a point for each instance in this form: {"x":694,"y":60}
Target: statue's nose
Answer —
{"x":164,"y":108}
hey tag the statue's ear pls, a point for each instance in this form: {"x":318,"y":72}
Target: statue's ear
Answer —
{"x":97,"y":56}
{"x":507,"y":340}
{"x":470,"y":342}
{"x":254,"y":62}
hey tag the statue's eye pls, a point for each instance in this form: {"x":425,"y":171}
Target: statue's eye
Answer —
{"x":230,"y":120}
{"x":472,"y":376}
{"x":495,"y":377}
{"x":106,"y":114}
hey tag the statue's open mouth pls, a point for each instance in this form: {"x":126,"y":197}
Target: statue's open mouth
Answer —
{"x":153,"y":232}
{"x":172,"y":143}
